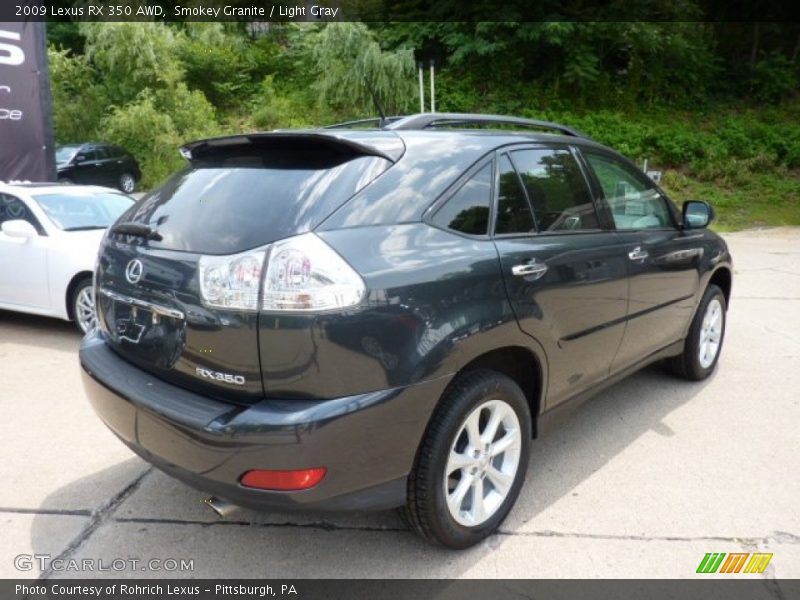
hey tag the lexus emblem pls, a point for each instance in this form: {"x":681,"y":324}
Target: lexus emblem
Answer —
{"x":133,"y":272}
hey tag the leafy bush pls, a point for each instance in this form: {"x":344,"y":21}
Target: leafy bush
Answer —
{"x":773,"y":78}
{"x":154,"y":126}
{"x":78,"y":101}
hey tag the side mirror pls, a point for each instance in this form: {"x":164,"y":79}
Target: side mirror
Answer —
{"x":79,"y":159}
{"x":18,"y":229}
{"x":697,"y":214}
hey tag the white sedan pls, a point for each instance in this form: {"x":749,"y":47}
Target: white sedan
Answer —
{"x":49,"y":237}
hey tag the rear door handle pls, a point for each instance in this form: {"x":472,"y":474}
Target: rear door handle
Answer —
{"x":638,"y":254}
{"x":530,"y":269}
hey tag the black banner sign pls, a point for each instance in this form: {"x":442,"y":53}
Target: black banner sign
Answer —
{"x":26,"y":123}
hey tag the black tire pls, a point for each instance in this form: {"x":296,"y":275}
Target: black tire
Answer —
{"x":426,"y":510}
{"x":82,"y":285}
{"x":127,"y":183}
{"x":687,"y":364}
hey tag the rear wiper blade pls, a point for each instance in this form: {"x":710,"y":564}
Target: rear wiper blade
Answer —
{"x":136,"y":229}
{"x":85,"y":227}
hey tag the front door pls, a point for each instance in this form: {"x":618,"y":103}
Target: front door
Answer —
{"x":566,"y":275}
{"x":662,"y":259}
{"x":23,"y":261}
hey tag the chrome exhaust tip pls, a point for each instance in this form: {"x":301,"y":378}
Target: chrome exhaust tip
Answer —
{"x":221,"y":507}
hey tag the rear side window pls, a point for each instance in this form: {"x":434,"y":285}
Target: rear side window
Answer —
{"x":557,"y":189}
{"x":467,"y":211}
{"x":513,"y":211}
{"x":237,"y":202}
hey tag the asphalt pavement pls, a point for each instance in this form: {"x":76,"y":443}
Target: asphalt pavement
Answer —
{"x":640,"y":483}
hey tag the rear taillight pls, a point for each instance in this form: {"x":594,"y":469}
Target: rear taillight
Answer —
{"x":305,"y":274}
{"x":302,"y":274}
{"x":283,"y":480}
{"x":232,"y":281}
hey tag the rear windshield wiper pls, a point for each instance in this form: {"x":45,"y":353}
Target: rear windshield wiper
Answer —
{"x":85,"y":227}
{"x":137,"y":229}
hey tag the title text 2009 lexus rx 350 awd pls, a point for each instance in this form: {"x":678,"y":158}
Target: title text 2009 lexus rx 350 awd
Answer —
{"x":350,"y":318}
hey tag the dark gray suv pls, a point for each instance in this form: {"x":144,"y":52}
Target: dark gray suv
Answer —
{"x":351,"y":318}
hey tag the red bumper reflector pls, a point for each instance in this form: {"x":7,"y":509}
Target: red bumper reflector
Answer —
{"x":283,"y":480}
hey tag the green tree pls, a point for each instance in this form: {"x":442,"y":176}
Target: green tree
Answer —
{"x":347,"y":56}
{"x":78,"y":101}
{"x":133,"y":56}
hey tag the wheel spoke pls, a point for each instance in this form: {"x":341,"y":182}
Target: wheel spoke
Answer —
{"x":490,"y":431}
{"x":457,"y":461}
{"x":501,"y":481}
{"x":473,"y":430}
{"x":478,"y":509}
{"x":455,"y":499}
{"x":504,"y":443}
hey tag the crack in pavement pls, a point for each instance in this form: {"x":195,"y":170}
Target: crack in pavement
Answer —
{"x":781,"y":537}
{"x":63,"y":512}
{"x":324,"y":525}
{"x":98,"y":517}
{"x":778,"y":536}
{"x":782,"y":298}
{"x":104,"y":514}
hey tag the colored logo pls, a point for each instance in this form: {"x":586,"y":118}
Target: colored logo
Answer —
{"x":736,"y":562}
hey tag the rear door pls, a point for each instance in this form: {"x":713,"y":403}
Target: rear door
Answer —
{"x":106,"y":165}
{"x":218,"y":217}
{"x":663,"y":261}
{"x":117,"y":164}
{"x":565,"y":272}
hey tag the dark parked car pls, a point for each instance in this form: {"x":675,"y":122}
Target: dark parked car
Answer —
{"x":97,"y":164}
{"x":353,"y":319}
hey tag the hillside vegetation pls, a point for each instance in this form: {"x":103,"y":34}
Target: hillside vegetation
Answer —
{"x":715,"y":106}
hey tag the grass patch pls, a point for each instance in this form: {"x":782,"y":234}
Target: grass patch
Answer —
{"x":754,"y":200}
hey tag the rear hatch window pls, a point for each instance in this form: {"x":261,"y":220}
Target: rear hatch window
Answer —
{"x":229,"y":203}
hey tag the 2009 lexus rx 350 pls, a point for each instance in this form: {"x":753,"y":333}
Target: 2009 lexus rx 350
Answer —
{"x":371,"y":318}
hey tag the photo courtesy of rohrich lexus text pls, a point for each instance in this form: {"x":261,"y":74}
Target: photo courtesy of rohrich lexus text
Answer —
{"x":388,"y":299}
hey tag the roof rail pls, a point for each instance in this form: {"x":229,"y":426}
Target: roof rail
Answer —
{"x":425,"y":120}
{"x":379,"y":121}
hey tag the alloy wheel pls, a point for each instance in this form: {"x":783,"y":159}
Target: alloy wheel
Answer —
{"x":482,"y":463}
{"x":710,"y":333}
{"x":127,"y":183}
{"x":84,"y":309}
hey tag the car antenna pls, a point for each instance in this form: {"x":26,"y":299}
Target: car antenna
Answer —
{"x":383,"y":121}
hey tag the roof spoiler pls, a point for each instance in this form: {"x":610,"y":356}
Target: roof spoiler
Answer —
{"x":366,"y":143}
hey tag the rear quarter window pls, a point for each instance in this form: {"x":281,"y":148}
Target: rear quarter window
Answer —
{"x":467,"y":210}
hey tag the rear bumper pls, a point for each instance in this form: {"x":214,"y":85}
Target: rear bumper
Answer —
{"x":367,"y":442}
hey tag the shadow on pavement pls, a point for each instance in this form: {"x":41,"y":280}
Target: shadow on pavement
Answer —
{"x":40,"y":332}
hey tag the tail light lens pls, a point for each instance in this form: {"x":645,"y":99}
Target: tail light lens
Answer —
{"x":305,"y":274}
{"x":302,"y":274}
{"x":232,"y":281}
